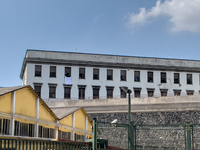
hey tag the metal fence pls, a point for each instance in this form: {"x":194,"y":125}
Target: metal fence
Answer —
{"x":151,"y":137}
{"x":24,"y":144}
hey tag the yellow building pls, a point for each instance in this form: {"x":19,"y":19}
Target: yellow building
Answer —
{"x":24,"y":114}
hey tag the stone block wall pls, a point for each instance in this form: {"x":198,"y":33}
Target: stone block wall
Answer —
{"x":168,"y":137}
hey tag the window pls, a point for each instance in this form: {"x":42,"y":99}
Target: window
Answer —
{"x":189,"y":78}
{"x":109,"y":92}
{"x":177,"y":92}
{"x":64,"y":135}
{"x":0,"y":126}
{"x":150,"y":77}
{"x":123,"y":94}
{"x":96,"y":74}
{"x":67,"y":92}
{"x":79,"y":138}
{"x":53,"y":71}
{"x":38,"y":70}
{"x":37,"y":88}
{"x":163,"y":77}
{"x":123,"y":75}
{"x":137,"y":92}
{"x":96,"y":92}
{"x":163,"y":92}
{"x":6,"y":126}
{"x":137,"y":76}
{"x":190,"y":92}
{"x":31,"y":129}
{"x":150,"y":92}
{"x":23,"y":129}
{"x":81,"y":73}
{"x":16,"y":130}
{"x":45,"y":132}
{"x":68,"y":71}
{"x":176,"y":78}
{"x":40,"y":131}
{"x":52,"y":90}
{"x":81,"y":91}
{"x":109,"y":74}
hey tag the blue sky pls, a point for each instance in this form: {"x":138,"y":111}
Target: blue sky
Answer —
{"x":122,"y":27}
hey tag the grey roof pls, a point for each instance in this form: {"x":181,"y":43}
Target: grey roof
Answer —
{"x":63,"y":112}
{"x":6,"y":90}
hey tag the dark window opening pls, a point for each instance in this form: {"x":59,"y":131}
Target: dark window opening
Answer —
{"x":16,"y":129}
{"x":95,"y":93}
{"x":150,"y":93}
{"x":189,"y":78}
{"x":123,"y":94}
{"x":0,"y":126}
{"x":68,"y":71}
{"x":109,"y":93}
{"x":163,"y":77}
{"x":6,"y":126}
{"x":52,"y":92}
{"x":177,"y":92}
{"x":38,"y":70}
{"x":123,"y":75}
{"x":109,"y":74}
{"x":31,"y":130}
{"x":137,"y":92}
{"x":51,"y":133}
{"x":150,"y":77}
{"x":81,"y":93}
{"x":52,"y":71}
{"x":176,"y":78}
{"x":163,"y":92}
{"x":96,"y":74}
{"x":45,"y":132}
{"x":190,"y":92}
{"x":137,"y":76}
{"x":67,"y":92}
{"x":81,"y":73}
{"x":23,"y":129}
{"x":40,"y":131}
{"x":38,"y":90}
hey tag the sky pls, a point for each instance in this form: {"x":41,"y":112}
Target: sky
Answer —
{"x":147,"y":28}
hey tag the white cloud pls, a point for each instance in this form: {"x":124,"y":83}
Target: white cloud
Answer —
{"x":184,"y":15}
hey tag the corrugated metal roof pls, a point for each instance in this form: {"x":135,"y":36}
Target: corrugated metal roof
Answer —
{"x":6,"y":90}
{"x":63,"y":112}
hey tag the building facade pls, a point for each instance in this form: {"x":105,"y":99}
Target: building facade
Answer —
{"x":23,"y":114}
{"x":66,"y":75}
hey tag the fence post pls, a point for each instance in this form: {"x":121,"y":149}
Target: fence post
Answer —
{"x":94,"y":142}
{"x":188,"y":136}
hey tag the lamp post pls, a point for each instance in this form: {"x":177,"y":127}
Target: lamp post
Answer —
{"x":130,"y":127}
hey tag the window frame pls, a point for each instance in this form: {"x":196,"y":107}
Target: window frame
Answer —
{"x":136,"y":79}
{"x":38,"y":70}
{"x":123,"y":75}
{"x":110,"y":74}
{"x":52,"y":72}
{"x":149,"y":77}
{"x":95,"y":74}
{"x":163,"y":79}
{"x":81,"y":73}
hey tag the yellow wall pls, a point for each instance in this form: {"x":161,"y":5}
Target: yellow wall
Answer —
{"x":89,"y":126}
{"x":79,"y":133}
{"x":44,"y":114}
{"x":5,"y":103}
{"x":66,"y":121}
{"x":25,"y":103}
{"x":80,"y":120}
{"x":64,"y":129}
{"x":47,"y":125}
{"x":24,"y":120}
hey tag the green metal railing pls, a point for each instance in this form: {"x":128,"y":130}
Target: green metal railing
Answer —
{"x":24,"y":144}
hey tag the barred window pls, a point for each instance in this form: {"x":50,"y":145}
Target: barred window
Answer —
{"x":150,"y":77}
{"x":137,"y":76}
{"x":176,"y":78}
{"x":45,"y":132}
{"x":67,"y":92}
{"x":189,"y":78}
{"x":96,"y":74}
{"x":0,"y":126}
{"x":38,"y":70}
{"x":163,"y":77}
{"x":23,"y":129}
{"x":109,"y":74}
{"x":16,"y":130}
{"x":52,"y":71}
{"x":123,"y":75}
{"x":40,"y":131}
{"x":177,"y":92}
{"x":95,"y":93}
{"x":68,"y":71}
{"x":109,"y":92}
{"x":81,"y":73}
{"x":6,"y":126}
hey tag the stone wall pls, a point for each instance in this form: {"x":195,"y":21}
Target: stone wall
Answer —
{"x":169,"y":137}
